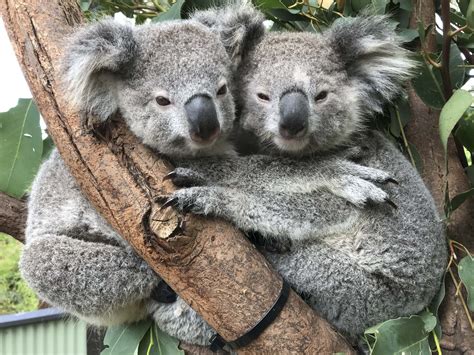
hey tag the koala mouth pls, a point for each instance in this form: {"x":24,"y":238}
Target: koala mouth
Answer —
{"x":293,"y":144}
{"x":207,"y":141}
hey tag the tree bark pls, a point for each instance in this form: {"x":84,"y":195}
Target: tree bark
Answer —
{"x":208,"y":262}
{"x":12,"y":217}
{"x":423,"y":132}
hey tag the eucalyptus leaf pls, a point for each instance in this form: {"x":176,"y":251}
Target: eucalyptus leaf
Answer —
{"x":157,"y":342}
{"x":406,"y":335}
{"x":465,"y":130}
{"x":459,"y":199}
{"x":466,"y":273}
{"x":408,"y":35}
{"x":21,"y":147}
{"x":379,"y":6}
{"x":48,"y":146}
{"x":124,"y":339}
{"x":470,"y":14}
{"x":457,"y":71}
{"x":452,"y":112}
{"x":434,"y":307}
{"x":427,"y":85}
{"x":173,"y":13}
{"x":404,"y":4}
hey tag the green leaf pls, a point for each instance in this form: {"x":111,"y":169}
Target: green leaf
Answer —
{"x":48,"y":146}
{"x":173,"y":13}
{"x":157,"y":342}
{"x":404,"y":4}
{"x":466,"y":273}
{"x":459,"y":199}
{"x":434,"y":307}
{"x":358,"y":5}
{"x":470,"y":14}
{"x":463,"y":5}
{"x":452,"y":112}
{"x":20,"y":147}
{"x":427,"y":85}
{"x":124,"y":339}
{"x":408,"y":34}
{"x":379,"y":6}
{"x":407,"y":335}
{"x":457,"y":71}
{"x":465,"y":130}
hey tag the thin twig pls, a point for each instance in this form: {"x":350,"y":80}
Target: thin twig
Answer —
{"x":445,"y":16}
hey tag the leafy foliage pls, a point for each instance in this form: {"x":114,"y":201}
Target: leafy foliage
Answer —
{"x":15,"y":296}
{"x":143,"y":338}
{"x":407,"y":335}
{"x":466,"y":273}
{"x":21,"y":147}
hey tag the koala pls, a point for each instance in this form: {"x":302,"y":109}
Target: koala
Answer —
{"x":307,"y":97}
{"x":170,"y":83}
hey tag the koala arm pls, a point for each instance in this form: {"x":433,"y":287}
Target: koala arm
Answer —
{"x":272,"y":195}
{"x":74,"y":260}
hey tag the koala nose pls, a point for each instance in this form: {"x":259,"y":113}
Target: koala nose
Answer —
{"x":202,"y":118}
{"x":294,"y":113}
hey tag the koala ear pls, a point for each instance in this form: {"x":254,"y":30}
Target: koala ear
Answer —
{"x":239,"y":25}
{"x":94,"y":55}
{"x":373,"y":57}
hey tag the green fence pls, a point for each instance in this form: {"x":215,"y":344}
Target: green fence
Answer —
{"x":43,"y":332}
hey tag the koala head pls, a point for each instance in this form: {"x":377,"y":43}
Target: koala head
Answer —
{"x":169,"y":81}
{"x":304,"y":93}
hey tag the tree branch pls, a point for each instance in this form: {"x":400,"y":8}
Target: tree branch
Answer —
{"x":209,"y":264}
{"x":12,"y":217}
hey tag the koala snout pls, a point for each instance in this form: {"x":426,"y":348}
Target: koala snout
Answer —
{"x":294,"y":113}
{"x":202,"y":118}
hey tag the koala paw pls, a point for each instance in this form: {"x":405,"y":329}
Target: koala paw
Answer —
{"x":199,"y":200}
{"x":184,"y":177}
{"x":361,"y":192}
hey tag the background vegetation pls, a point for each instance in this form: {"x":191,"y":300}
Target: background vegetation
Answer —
{"x":445,"y":60}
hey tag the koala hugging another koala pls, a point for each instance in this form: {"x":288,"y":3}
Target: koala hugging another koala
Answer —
{"x":354,"y":227}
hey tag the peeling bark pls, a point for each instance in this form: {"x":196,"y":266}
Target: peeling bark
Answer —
{"x":208,"y":263}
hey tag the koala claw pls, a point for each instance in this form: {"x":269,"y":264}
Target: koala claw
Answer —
{"x":393,"y":181}
{"x":171,"y":202}
{"x":169,"y":176}
{"x":391,"y":203}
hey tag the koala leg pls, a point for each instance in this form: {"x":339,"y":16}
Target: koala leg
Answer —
{"x":101,"y":283}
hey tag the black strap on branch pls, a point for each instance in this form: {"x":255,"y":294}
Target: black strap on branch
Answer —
{"x":217,"y":342}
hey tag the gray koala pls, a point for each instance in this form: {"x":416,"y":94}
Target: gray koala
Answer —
{"x":306,"y":97}
{"x":170,"y":84}
{"x":176,"y":97}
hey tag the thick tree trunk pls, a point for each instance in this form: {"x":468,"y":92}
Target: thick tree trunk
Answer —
{"x":209,"y":263}
{"x":423,"y":132}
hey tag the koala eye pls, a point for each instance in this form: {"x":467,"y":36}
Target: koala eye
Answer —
{"x":222,"y":90}
{"x":263,"y":97}
{"x":321,"y":96}
{"x":162,"y":101}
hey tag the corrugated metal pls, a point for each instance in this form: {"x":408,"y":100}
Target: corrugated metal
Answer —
{"x":53,"y":337}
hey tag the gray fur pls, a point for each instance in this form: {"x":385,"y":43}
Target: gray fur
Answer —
{"x":357,"y":265}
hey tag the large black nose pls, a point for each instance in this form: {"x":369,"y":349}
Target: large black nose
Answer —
{"x":202,"y":118}
{"x":294,"y":113}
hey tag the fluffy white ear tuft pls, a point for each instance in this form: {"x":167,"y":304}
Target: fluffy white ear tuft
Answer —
{"x":239,"y":25}
{"x":95,"y":54}
{"x":373,"y":57}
